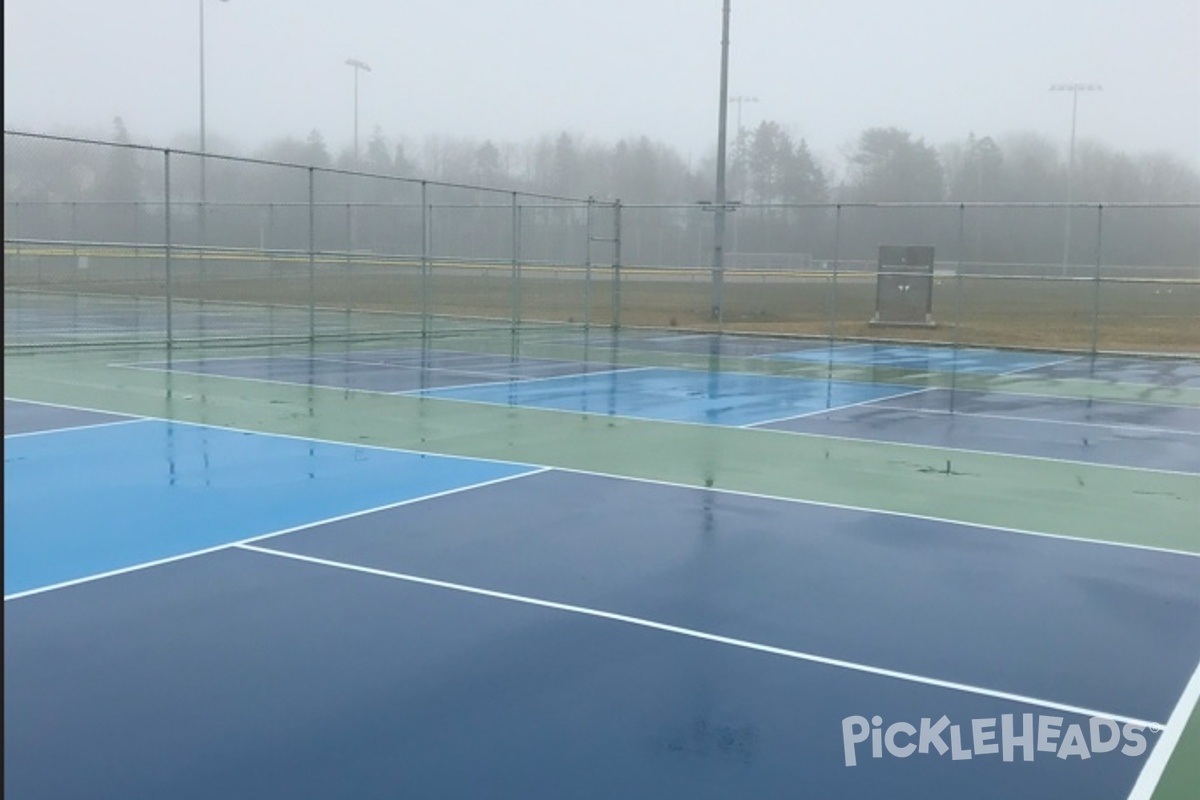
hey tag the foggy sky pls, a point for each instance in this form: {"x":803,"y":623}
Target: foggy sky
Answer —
{"x":606,"y":69}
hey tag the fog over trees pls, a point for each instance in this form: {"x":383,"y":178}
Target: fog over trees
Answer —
{"x":766,"y":163}
{"x":114,"y":194}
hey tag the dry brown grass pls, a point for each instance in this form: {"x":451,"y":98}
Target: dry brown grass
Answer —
{"x":1054,"y":315}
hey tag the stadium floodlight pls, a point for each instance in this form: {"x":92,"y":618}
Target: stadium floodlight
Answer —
{"x":1074,"y":89}
{"x":358,"y":66}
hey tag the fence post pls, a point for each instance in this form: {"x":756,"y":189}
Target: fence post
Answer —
{"x":515,"y":314}
{"x":587,"y":266}
{"x":312,"y":257}
{"x":958,"y":268}
{"x":18,"y":234}
{"x":271,"y":238}
{"x":616,"y":268}
{"x":74,"y":230}
{"x":1096,"y":278}
{"x":167,"y":244}
{"x":833,"y":285}
{"x":425,"y":223}
{"x":349,"y":260}
{"x":958,"y":277}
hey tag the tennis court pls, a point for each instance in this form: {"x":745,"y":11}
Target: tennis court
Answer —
{"x":616,"y":564}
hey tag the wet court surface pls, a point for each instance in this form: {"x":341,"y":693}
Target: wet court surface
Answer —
{"x":197,"y":611}
{"x":1118,"y":433}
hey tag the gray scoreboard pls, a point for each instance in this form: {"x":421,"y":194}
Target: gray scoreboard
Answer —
{"x":904,"y":286}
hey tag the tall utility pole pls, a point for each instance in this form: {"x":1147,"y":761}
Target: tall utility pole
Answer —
{"x":358,"y":66}
{"x":1074,"y":89}
{"x":718,"y":269}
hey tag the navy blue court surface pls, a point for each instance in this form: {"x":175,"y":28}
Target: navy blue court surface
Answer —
{"x":423,"y":626}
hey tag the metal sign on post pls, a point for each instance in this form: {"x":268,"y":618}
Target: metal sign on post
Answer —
{"x":904,"y":286}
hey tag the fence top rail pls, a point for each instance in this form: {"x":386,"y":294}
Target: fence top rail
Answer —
{"x":290,"y":165}
{"x":568,"y":205}
{"x":1091,"y":204}
{"x":575,"y":204}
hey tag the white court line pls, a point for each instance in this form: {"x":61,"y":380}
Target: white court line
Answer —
{"x":974,"y":452}
{"x":163,"y":365}
{"x":1156,"y":763}
{"x":711,"y":637}
{"x":81,"y":427}
{"x":883,"y":403}
{"x":430,"y":392}
{"x":299,"y":438}
{"x":11,"y":399}
{"x":261,"y":537}
{"x":836,"y":408}
{"x":1019,"y":370}
{"x":499,"y":377}
{"x":884,"y":512}
{"x":502,"y":380}
{"x":266,"y":381}
{"x":1008,"y":392}
{"x":950,"y":368}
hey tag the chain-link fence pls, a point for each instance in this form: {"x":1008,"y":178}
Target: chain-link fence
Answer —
{"x":1080,"y":277}
{"x":109,"y":243}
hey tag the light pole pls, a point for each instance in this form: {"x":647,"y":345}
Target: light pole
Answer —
{"x":1074,"y":89}
{"x":358,"y":67}
{"x":718,"y":268}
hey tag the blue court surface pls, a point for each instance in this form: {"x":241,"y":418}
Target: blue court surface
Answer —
{"x":675,"y":395}
{"x":434,"y":627}
{"x":182,"y":488}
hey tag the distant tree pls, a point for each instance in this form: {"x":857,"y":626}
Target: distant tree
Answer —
{"x":566,"y":168}
{"x":778,"y":169}
{"x":377,"y":159}
{"x":1106,"y":176}
{"x":890,"y":165}
{"x":316,"y":151}
{"x":119,"y":185}
{"x":644,"y":171}
{"x":488,"y":171}
{"x":1032,"y":170}
{"x":803,"y":178}
{"x":1168,"y":180}
{"x":974,"y":169}
{"x":768,"y":151}
{"x":120,"y":180}
{"x":401,"y":165}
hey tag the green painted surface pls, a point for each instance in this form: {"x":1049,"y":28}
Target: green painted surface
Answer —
{"x":1181,"y":780}
{"x":1114,"y":504}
